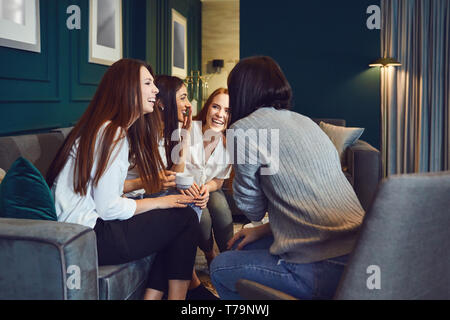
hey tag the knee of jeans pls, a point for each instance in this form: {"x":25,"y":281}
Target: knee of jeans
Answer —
{"x":220,"y":262}
{"x":216,"y":263}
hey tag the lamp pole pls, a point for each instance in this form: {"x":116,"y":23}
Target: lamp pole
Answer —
{"x":384,"y":120}
{"x":384,"y":64}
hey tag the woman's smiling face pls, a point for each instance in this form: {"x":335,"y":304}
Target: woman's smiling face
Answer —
{"x":218,"y":113}
{"x":148,"y":90}
{"x":183,"y":103}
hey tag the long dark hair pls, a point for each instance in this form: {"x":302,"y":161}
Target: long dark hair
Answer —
{"x":257,"y":82}
{"x":167,"y":98}
{"x":117,"y":99}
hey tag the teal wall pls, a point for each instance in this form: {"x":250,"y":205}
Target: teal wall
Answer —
{"x":324,"y":48}
{"x":51,"y":89}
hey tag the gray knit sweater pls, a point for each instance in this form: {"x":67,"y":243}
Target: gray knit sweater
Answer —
{"x":313,"y":210}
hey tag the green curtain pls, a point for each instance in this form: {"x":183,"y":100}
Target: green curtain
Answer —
{"x":416,"y":96}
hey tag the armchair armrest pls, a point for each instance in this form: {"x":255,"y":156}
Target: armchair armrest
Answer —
{"x":364,"y":166}
{"x":47,"y":260}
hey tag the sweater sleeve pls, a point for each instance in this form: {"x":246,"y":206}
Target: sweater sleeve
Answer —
{"x":247,"y":189}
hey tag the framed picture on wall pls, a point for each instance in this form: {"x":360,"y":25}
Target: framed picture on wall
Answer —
{"x":20,"y":25}
{"x":105,"y":31}
{"x":179,"y":45}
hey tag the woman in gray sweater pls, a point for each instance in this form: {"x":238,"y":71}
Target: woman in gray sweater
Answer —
{"x":284,"y":165}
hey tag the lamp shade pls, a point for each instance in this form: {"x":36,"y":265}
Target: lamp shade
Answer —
{"x":385,"y":62}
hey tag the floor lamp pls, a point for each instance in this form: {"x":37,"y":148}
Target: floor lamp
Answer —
{"x":384,"y":64}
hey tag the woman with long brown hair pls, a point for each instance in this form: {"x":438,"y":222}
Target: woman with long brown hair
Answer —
{"x":88,"y":179}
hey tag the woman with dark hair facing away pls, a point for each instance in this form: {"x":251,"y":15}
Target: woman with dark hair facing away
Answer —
{"x":293,"y":172}
{"x":88,"y":179}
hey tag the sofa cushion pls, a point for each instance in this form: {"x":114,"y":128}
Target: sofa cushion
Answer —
{"x":24,"y":194}
{"x":40,"y":149}
{"x":342,"y":137}
{"x":125,"y":281}
{"x":334,"y":122}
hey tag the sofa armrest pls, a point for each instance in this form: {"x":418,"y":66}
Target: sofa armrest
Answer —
{"x":364,"y":166}
{"x":47,"y":260}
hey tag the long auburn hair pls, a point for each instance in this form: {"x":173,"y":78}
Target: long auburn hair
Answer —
{"x":167,"y":98}
{"x":201,"y":116}
{"x":118,"y":100}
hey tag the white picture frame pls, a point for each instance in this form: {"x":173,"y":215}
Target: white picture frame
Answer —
{"x":105,"y":31}
{"x":179,"y":45}
{"x":20,"y":26}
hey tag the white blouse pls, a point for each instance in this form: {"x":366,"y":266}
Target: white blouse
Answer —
{"x":105,"y":200}
{"x":133,"y":172}
{"x":218,"y":165}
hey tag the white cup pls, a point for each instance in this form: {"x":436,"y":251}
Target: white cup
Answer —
{"x":184,"y":181}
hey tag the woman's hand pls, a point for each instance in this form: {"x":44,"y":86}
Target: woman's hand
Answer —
{"x":173,"y":201}
{"x":187,"y":119}
{"x":202,"y":200}
{"x":193,"y":191}
{"x":166,"y":202}
{"x":167,"y":179}
{"x":249,"y":235}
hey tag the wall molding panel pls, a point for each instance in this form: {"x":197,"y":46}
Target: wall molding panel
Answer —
{"x":51,"y":89}
{"x":28,"y":76}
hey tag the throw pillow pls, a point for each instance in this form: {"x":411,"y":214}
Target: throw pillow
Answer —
{"x":24,"y":194}
{"x":342,"y":137}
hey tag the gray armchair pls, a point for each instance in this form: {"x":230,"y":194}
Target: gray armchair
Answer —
{"x":403,"y":239}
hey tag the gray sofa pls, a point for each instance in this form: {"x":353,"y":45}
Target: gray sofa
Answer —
{"x":54,"y":260}
{"x":37,"y":258}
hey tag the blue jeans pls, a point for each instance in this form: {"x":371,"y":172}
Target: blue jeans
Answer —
{"x":317,"y":280}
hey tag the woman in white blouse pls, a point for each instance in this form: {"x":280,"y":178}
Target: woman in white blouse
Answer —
{"x":209,"y":163}
{"x":88,"y":180}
